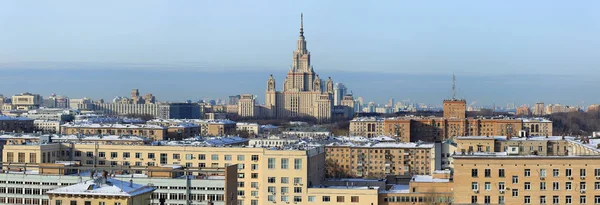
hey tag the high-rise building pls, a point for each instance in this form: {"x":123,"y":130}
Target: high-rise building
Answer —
{"x":27,"y":101}
{"x":523,"y":111}
{"x":233,"y":100}
{"x":303,"y":93}
{"x":246,"y":105}
{"x":538,"y":109}
{"x":339,"y":91}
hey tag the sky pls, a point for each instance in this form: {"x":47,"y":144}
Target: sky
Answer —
{"x":500,"y":51}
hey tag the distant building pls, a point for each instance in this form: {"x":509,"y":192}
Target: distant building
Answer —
{"x":233,"y":100}
{"x":26,"y":101}
{"x":47,"y":126}
{"x":339,"y":91}
{"x":523,"y":111}
{"x":16,"y":124}
{"x":180,"y":111}
{"x":538,"y":109}
{"x":246,"y":106}
{"x":594,"y":108}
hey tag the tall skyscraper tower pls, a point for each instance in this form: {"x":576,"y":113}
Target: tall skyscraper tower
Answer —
{"x":339,"y":91}
{"x":303,"y":91}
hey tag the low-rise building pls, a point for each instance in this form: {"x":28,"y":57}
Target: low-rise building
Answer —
{"x":251,"y":128}
{"x":368,"y":127}
{"x":182,"y":131}
{"x":47,"y":126}
{"x":155,"y":132}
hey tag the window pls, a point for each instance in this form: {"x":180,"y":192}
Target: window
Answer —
{"x":254,"y":175}
{"x":555,"y":199}
{"x":597,"y":185}
{"x":527,"y":200}
{"x":488,"y":172}
{"x":58,"y":202}
{"x":501,"y":173}
{"x":202,"y":157}
{"x":126,"y":154}
{"x":500,"y":199}
{"x":228,"y":157}
{"x":150,"y":155}
{"x":568,"y":172}
{"x":354,"y":199}
{"x":473,"y":172}
{"x":101,"y":154}
{"x":555,"y":172}
{"x":89,"y":154}
{"x":515,"y":179}
{"x":297,"y":180}
{"x":542,"y":199}
{"x":254,"y":166}
{"x":214,"y":157}
{"x":285,"y":198}
{"x":597,"y":172}
{"x":542,"y":172}
{"x":176,"y":156}
{"x":473,"y":199}
{"x":582,"y":199}
{"x":284,"y":190}
{"x":254,"y":202}
{"x":340,"y":198}
{"x":500,"y":185}
{"x":271,"y":189}
{"x":285,"y":180}
{"x":254,"y":157}
{"x":542,"y":186}
{"x":240,"y":157}
{"x":568,"y":185}
{"x":138,"y":155}
{"x":297,"y":190}
{"x":582,"y":172}
{"x":271,"y":163}
{"x":254,"y":193}
{"x":297,"y":164}
{"x":555,"y":185}
{"x":117,"y":203}
{"x":284,"y":163}
{"x":113,"y":155}
{"x":272,"y":179}
{"x":527,"y":186}
{"x":326,"y":199}
{"x":488,"y":186}
{"x":474,"y":186}
{"x":568,"y":199}
{"x":515,"y":192}
{"x":240,"y":184}
{"x":527,"y":172}
{"x":297,"y":199}
{"x":254,"y":184}
{"x":597,"y":199}
{"x":582,"y":186}
{"x":486,"y":200}
{"x":241,"y":166}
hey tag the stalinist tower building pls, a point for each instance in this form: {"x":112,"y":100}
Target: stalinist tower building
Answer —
{"x":304,"y":93}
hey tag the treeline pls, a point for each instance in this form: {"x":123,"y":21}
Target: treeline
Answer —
{"x":575,"y":123}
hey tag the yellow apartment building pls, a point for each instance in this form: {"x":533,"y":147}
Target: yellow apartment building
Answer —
{"x":155,"y":132}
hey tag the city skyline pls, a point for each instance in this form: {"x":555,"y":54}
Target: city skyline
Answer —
{"x":526,"y":59}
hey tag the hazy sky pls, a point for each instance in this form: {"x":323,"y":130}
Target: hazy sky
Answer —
{"x":469,"y":38}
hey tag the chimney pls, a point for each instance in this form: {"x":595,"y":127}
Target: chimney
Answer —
{"x":131,"y":183}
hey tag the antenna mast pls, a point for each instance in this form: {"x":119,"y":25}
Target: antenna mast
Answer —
{"x":453,"y":87}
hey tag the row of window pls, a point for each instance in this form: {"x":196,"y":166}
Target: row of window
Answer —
{"x":11,"y":200}
{"x":542,"y":200}
{"x":284,"y":163}
{"x":73,"y":202}
{"x":541,"y":172}
{"x":542,"y":186}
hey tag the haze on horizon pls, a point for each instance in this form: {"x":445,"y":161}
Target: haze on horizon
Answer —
{"x":509,"y":51}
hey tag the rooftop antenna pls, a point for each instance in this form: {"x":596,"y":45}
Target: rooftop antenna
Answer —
{"x":453,"y":87}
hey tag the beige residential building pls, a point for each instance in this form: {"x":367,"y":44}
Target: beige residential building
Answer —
{"x":47,"y":126}
{"x":102,"y":190}
{"x":285,"y":175}
{"x":368,"y":127}
{"x":246,"y":106}
{"x":379,"y":159}
{"x":303,"y":93}
{"x":155,"y":132}
{"x":537,"y":127}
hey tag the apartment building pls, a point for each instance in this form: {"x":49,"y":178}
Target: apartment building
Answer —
{"x":151,"y":131}
{"x":537,"y":127}
{"x":16,"y":124}
{"x":46,"y":183}
{"x":47,"y":126}
{"x":102,"y":190}
{"x":421,"y":189}
{"x":526,"y":179}
{"x":369,"y":127}
{"x":378,"y":159}
{"x":280,"y":175}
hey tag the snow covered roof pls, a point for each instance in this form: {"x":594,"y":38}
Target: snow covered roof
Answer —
{"x":4,"y":117}
{"x":184,"y":125}
{"x":398,"y":188}
{"x":122,"y":126}
{"x":112,"y":187}
{"x":481,"y":138}
{"x":367,"y":119}
{"x":428,"y":178}
{"x":535,"y":120}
